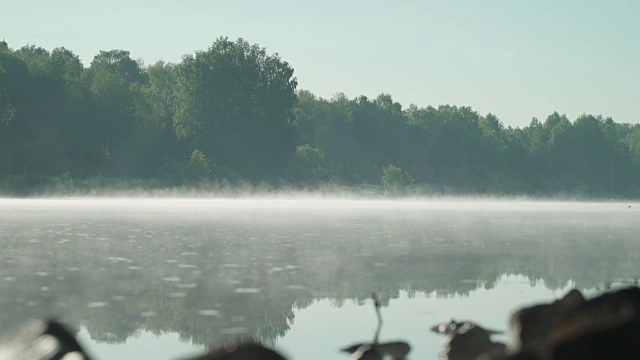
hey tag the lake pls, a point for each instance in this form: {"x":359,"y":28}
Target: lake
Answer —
{"x":168,"y":278}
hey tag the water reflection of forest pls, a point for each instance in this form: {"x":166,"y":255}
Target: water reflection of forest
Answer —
{"x":212,"y":280}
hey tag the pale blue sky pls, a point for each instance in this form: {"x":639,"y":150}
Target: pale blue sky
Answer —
{"x":516,"y":59}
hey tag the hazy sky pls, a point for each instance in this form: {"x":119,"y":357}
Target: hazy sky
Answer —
{"x":514,"y":58}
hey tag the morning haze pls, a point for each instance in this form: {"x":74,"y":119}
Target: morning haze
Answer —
{"x":176,"y":175}
{"x":133,"y":275}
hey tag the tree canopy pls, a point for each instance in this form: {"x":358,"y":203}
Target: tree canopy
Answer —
{"x":233,"y":112}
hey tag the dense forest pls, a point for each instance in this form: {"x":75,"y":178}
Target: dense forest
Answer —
{"x":232,"y":114}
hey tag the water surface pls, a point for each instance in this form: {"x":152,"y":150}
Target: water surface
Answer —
{"x":173,"y":277}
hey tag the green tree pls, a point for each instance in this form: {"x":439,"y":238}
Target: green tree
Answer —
{"x":395,"y":179}
{"x":632,"y":144}
{"x":310,"y":162}
{"x":158,"y":146}
{"x":47,"y":99}
{"x":560,"y":147}
{"x":328,"y":126}
{"x":6,"y":109}
{"x":115,"y":83}
{"x":235,"y":103}
{"x":119,"y":62}
{"x":378,"y":131}
{"x":494,"y":142}
{"x":198,"y":165}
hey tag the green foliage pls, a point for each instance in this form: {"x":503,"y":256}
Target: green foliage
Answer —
{"x":311,"y":163}
{"x":6,"y":109}
{"x":198,"y":165}
{"x":310,"y":156}
{"x":238,"y":104}
{"x":327,"y":125}
{"x":395,"y":179}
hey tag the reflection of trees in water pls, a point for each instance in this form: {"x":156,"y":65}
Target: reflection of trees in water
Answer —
{"x":244,"y":279}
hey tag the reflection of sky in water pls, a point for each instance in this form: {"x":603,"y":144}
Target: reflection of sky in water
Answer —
{"x":407,"y":318}
{"x":123,"y":270}
{"x":323,"y":327}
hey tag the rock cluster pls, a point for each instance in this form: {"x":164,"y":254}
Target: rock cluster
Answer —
{"x":605,"y":327}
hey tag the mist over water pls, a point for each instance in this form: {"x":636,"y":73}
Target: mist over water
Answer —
{"x":297,"y":273}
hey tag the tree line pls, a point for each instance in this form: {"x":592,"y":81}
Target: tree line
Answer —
{"x":233,"y":113}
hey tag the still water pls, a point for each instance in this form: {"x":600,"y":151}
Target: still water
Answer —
{"x":169,"y":278}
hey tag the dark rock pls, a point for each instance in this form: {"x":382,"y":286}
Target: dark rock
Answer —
{"x":397,"y":350}
{"x":468,"y":341}
{"x":531,"y":326}
{"x":241,"y":351}
{"x":41,"y":340}
{"x":605,"y":327}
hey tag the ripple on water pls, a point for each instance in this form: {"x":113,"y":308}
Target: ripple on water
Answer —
{"x":177,"y":295}
{"x":247,"y":290}
{"x":187,"y":286}
{"x":229,"y":266}
{"x":171,"y":278}
{"x":189,"y":254}
{"x":98,"y":304}
{"x":295,"y":287}
{"x":363,"y":255}
{"x":187,"y":266}
{"x":148,"y":314}
{"x":209,"y":312}
{"x":134,"y":268}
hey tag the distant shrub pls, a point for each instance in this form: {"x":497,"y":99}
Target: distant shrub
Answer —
{"x":394,"y":179}
{"x":310,"y":163}
{"x":198,"y":165}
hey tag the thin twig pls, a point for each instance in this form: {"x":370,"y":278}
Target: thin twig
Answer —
{"x":376,"y":303}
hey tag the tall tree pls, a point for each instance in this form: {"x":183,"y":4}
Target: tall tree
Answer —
{"x":164,"y":156}
{"x":114,"y":80}
{"x":378,"y":127}
{"x":328,"y":125}
{"x":235,"y":102}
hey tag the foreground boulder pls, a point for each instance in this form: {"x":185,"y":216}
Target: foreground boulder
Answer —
{"x":50,"y":340}
{"x":396,"y":350}
{"x":239,"y":351}
{"x":42,"y":340}
{"x":532,"y":326}
{"x":605,"y":327}
{"x":468,"y":341}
